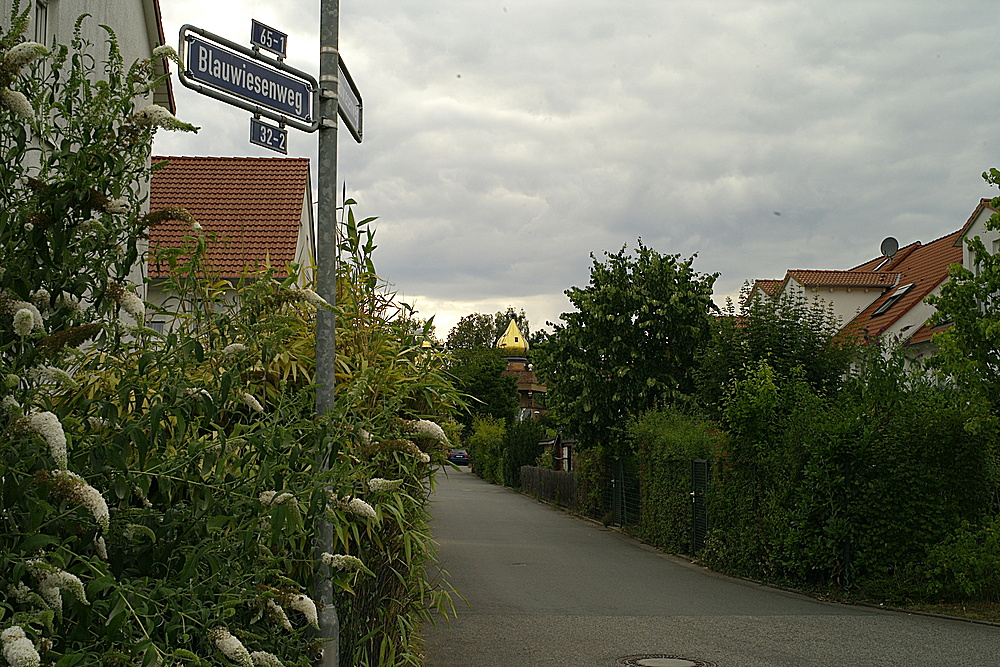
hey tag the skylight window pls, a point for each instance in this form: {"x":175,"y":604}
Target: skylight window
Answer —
{"x":892,"y":300}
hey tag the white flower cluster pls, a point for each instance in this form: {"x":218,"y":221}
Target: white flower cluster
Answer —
{"x":20,"y":593}
{"x":164,"y":52}
{"x":303,"y":604}
{"x":49,"y":427}
{"x":100,"y":548}
{"x":23,"y":54}
{"x":70,"y":303}
{"x":91,"y":227}
{"x":353,"y":506}
{"x":379,"y":484}
{"x":275,"y":498}
{"x":18,"y":650}
{"x":77,"y":490}
{"x":265,"y":659}
{"x":10,"y":406}
{"x":251,"y":401}
{"x":423,"y":428}
{"x":230,"y":646}
{"x":313,"y":298}
{"x":233,"y":349}
{"x":98,"y":423}
{"x":132,"y":305}
{"x":278,"y":614}
{"x":23,"y":322}
{"x":52,"y":375}
{"x":117,"y":206}
{"x":52,"y":580}
{"x":16,"y":102}
{"x":157,"y":116}
{"x":14,"y":307}
{"x":341,"y":562}
{"x":41,"y":298}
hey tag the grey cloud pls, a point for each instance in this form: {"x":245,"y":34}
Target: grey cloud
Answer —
{"x":506,"y":141}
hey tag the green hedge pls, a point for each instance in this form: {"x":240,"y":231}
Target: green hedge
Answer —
{"x":855,"y":490}
{"x":666,"y":441}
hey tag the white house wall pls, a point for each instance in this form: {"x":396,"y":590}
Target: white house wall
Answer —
{"x":991,"y":239}
{"x":846,"y":302}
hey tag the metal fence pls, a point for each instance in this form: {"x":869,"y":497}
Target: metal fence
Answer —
{"x":622,"y":494}
{"x":553,"y":486}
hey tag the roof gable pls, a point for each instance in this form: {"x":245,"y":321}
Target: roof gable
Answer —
{"x":255,"y":206}
{"x":924,"y":267}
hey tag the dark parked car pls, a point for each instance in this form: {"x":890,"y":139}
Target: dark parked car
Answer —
{"x":459,"y":457}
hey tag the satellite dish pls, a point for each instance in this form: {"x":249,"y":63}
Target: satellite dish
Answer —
{"x":889,"y":247}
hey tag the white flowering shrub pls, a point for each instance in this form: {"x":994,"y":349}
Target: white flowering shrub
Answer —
{"x":160,"y":493}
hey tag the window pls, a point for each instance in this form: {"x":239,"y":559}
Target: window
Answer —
{"x":892,"y":300}
{"x":41,"y":21}
{"x":156,"y":326}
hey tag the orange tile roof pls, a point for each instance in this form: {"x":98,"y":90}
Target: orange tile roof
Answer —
{"x":254,"y":205}
{"x":811,"y":278}
{"x":768,"y":286}
{"x":923,"y":266}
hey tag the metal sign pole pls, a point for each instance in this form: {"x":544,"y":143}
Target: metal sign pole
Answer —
{"x":326,"y":283}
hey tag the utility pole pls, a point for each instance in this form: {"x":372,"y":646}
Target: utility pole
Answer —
{"x":326,"y":286}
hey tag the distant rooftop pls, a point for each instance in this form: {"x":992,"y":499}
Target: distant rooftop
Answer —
{"x":254,"y":205}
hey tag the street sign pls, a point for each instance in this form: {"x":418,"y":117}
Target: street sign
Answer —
{"x":248,"y":79}
{"x":273,"y":40}
{"x":349,"y":102}
{"x":268,"y":136}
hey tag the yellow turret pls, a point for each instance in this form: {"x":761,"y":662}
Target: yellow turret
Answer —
{"x":512,"y":342}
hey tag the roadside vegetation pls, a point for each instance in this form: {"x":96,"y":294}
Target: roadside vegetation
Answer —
{"x":161,"y":492}
{"x":838,"y":466}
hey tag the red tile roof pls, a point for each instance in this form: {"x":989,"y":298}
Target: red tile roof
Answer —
{"x":254,"y":205}
{"x":811,"y":278}
{"x":769,"y":287}
{"x":923,"y":266}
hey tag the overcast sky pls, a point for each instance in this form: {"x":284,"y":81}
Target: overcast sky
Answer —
{"x":507,"y":140}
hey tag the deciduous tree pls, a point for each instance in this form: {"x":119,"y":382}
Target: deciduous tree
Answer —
{"x":631,"y":343}
{"x":970,"y":301}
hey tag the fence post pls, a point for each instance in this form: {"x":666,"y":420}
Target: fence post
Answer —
{"x":699,"y":512}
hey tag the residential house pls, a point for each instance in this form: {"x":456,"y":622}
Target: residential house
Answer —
{"x":137,"y":24}
{"x":885,"y":297}
{"x":258,"y":211}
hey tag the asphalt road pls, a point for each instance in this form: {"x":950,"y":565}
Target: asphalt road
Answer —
{"x":547,"y":588}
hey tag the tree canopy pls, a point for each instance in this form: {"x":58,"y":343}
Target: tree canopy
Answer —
{"x":788,"y":333}
{"x":479,"y":373}
{"x":970,"y":301}
{"x":482,"y":330}
{"x":631,"y":343}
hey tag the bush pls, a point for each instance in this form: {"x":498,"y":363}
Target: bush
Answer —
{"x":161,"y":494}
{"x":966,"y":565}
{"x":852,"y":491}
{"x":591,"y":470}
{"x":521,"y":448}
{"x":666,"y":441}
{"x":486,"y":448}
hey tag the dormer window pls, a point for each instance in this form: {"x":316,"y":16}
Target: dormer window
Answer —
{"x":892,"y":300}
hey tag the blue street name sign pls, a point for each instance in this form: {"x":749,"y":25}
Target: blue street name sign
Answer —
{"x":269,"y":136}
{"x":250,"y":80}
{"x":268,"y":38}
